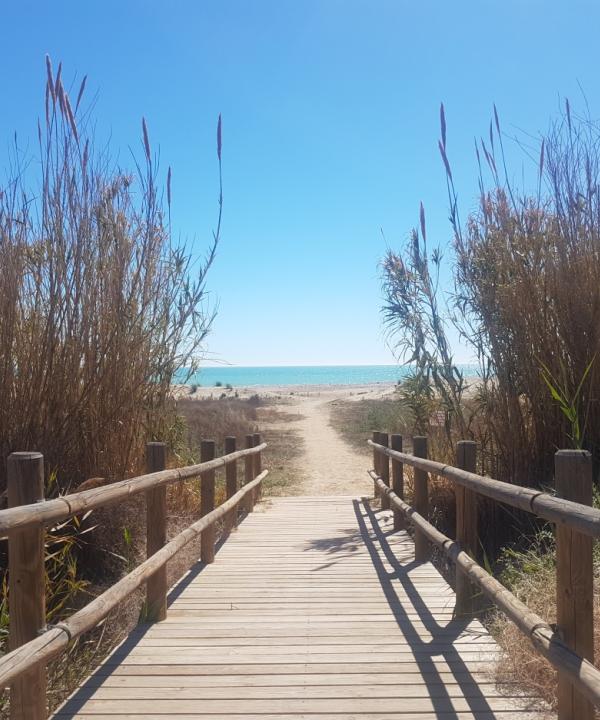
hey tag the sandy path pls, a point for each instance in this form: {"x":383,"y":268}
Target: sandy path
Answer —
{"x":329,"y":465}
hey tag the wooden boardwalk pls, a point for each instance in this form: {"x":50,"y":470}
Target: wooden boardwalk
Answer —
{"x":314,"y":609}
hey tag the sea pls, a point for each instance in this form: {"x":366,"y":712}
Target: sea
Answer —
{"x":302,"y":375}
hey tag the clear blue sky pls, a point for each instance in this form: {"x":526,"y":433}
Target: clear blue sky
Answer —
{"x":330,"y":128}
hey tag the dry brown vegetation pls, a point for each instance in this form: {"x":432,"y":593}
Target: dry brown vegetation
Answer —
{"x":99,"y":307}
{"x":284,"y":446}
{"x":526,"y":300}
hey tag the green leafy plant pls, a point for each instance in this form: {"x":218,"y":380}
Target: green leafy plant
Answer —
{"x":416,"y":394}
{"x":128,"y":540}
{"x":568,"y":404}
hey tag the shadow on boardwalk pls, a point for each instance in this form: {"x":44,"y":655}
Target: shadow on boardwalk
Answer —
{"x":388,"y":584}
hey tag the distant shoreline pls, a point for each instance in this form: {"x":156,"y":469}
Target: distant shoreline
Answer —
{"x":301,"y":376}
{"x":333,"y":390}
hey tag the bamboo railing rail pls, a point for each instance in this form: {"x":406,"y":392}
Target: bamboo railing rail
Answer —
{"x":569,"y":645}
{"x":32,"y":644}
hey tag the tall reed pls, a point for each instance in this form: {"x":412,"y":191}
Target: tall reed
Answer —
{"x":99,"y":306}
{"x":526,"y":300}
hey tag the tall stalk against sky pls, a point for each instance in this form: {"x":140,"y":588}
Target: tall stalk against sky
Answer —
{"x":99,"y":306}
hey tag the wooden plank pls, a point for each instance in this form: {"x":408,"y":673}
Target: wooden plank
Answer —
{"x":311,"y":610}
{"x":352,"y":707}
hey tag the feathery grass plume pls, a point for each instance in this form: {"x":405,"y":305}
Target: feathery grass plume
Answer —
{"x":80,"y":93}
{"x":57,"y":82}
{"x":219,"y":138}
{"x":490,"y":158}
{"x":50,"y":80}
{"x":71,"y":118}
{"x":443,"y":124}
{"x":497,"y":120}
{"x":60,"y":94}
{"x":146,"y":140}
{"x":422,"y":221}
{"x":47,"y":104}
{"x":445,"y":159}
{"x":84,"y":159}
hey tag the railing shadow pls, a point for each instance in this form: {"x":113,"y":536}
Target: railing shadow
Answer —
{"x":441,"y":645}
{"x":423,"y":651}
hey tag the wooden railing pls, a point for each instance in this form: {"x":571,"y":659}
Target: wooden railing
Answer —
{"x":569,"y":645}
{"x":32,"y":644}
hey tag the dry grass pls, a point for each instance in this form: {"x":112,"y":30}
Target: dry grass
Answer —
{"x":531,"y":575}
{"x":98,"y":306}
{"x":355,"y":420}
{"x":216,"y":419}
{"x":285,"y":445}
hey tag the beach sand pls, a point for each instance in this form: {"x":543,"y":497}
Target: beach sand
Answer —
{"x":327,"y":464}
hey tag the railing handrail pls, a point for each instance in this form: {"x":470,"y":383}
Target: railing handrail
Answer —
{"x":61,"y":508}
{"x":582,"y":673}
{"x":583,"y":518}
{"x":51,"y":642}
{"x":569,"y":645}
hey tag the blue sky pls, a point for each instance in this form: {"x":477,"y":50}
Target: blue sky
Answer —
{"x":330,"y":127}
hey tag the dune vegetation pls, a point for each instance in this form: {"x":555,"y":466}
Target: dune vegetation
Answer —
{"x":525,"y":300}
{"x":100,"y":306}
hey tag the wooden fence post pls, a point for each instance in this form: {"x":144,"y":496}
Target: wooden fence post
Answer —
{"x":207,"y":502}
{"x":467,"y":534}
{"x":257,"y":466}
{"x":384,"y":469}
{"x":398,"y":481}
{"x":231,"y":482}
{"x":27,"y":587}
{"x":421,"y":501}
{"x":574,"y":579}
{"x":156,"y":533}
{"x":249,"y":473}
{"x":375,"y":438}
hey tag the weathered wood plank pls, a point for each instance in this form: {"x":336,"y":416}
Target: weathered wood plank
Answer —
{"x":311,"y":610}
